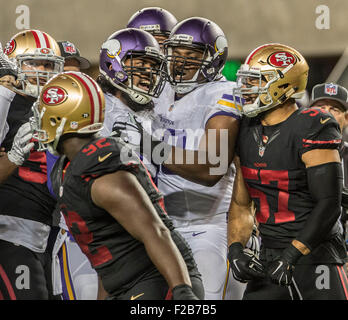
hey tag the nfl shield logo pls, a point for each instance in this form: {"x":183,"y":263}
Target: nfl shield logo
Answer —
{"x":261,"y":151}
{"x":331,"y":89}
{"x":69,"y":47}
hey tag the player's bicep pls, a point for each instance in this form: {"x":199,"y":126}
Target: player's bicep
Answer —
{"x":122,"y":196}
{"x":317,"y":157}
{"x":220,"y":136}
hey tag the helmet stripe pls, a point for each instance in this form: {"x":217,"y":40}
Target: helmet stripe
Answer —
{"x":98,"y":95}
{"x":95,"y":95}
{"x":48,"y":45}
{"x":42,"y":39}
{"x":92,"y":97}
{"x":247,"y":60}
{"x":37,"y":40}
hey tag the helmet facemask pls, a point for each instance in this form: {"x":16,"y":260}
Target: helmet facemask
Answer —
{"x":196,"y":57}
{"x":45,"y":142}
{"x":34,"y":70}
{"x":142,"y":74}
{"x":203,"y":58}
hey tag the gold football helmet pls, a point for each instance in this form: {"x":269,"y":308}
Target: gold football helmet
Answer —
{"x":38,"y":59}
{"x":270,"y":75}
{"x":71,"y":102}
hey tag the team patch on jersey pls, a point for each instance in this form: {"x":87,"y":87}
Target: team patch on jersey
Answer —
{"x":281,"y":59}
{"x":227,"y":100}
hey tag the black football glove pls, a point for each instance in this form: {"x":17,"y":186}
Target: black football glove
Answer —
{"x":245,"y":266}
{"x":183,"y":292}
{"x":281,"y":268}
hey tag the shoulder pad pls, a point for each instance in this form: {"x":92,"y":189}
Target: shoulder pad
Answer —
{"x":318,"y":129}
{"x":312,"y":117}
{"x":102,"y":156}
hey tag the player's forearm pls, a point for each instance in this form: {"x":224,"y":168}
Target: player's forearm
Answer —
{"x":240,"y":223}
{"x":196,"y":166}
{"x":6,"y":168}
{"x":166,"y":257}
{"x":325,"y":185}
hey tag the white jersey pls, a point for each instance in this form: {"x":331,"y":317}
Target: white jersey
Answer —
{"x":117,"y":111}
{"x":6,"y":97}
{"x":187,"y":201}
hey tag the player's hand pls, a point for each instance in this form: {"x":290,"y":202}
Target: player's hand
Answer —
{"x":281,"y":268}
{"x":245,"y":266}
{"x":253,"y":245}
{"x":153,"y":149}
{"x":7,"y":67}
{"x":21,"y":145}
{"x":183,"y":292}
{"x":128,"y":132}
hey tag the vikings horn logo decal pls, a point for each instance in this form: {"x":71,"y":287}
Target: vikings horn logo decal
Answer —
{"x":113,"y":47}
{"x":220,"y":44}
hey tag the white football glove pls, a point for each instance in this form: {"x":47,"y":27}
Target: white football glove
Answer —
{"x":7,"y":67}
{"x":253,"y":245}
{"x":21,"y":145}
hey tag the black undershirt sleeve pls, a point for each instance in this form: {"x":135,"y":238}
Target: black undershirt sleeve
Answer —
{"x":325,"y":185}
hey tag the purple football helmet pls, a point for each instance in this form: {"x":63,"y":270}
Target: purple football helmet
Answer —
{"x":118,"y":65}
{"x":154,"y":20}
{"x":196,"y":34}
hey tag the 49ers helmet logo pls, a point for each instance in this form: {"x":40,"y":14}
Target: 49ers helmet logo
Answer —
{"x":54,"y":95}
{"x":10,"y":47}
{"x":281,"y":59}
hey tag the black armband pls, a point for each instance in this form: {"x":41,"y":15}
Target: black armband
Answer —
{"x":325,"y":186}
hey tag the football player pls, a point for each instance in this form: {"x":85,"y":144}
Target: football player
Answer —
{"x":111,"y":206}
{"x":196,"y":197}
{"x":132,"y":74}
{"x":157,"y":21}
{"x":73,"y":276}
{"x":334,"y":99}
{"x":26,"y":205}
{"x":288,"y":164}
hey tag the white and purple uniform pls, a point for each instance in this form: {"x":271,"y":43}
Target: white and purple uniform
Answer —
{"x":199,"y":212}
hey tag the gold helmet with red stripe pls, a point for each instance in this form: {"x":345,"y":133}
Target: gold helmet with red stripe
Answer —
{"x":69,"y":103}
{"x":38,"y":58}
{"x":271,"y":74}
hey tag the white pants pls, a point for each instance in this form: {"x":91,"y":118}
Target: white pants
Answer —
{"x":208,"y":242}
{"x":73,"y":276}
